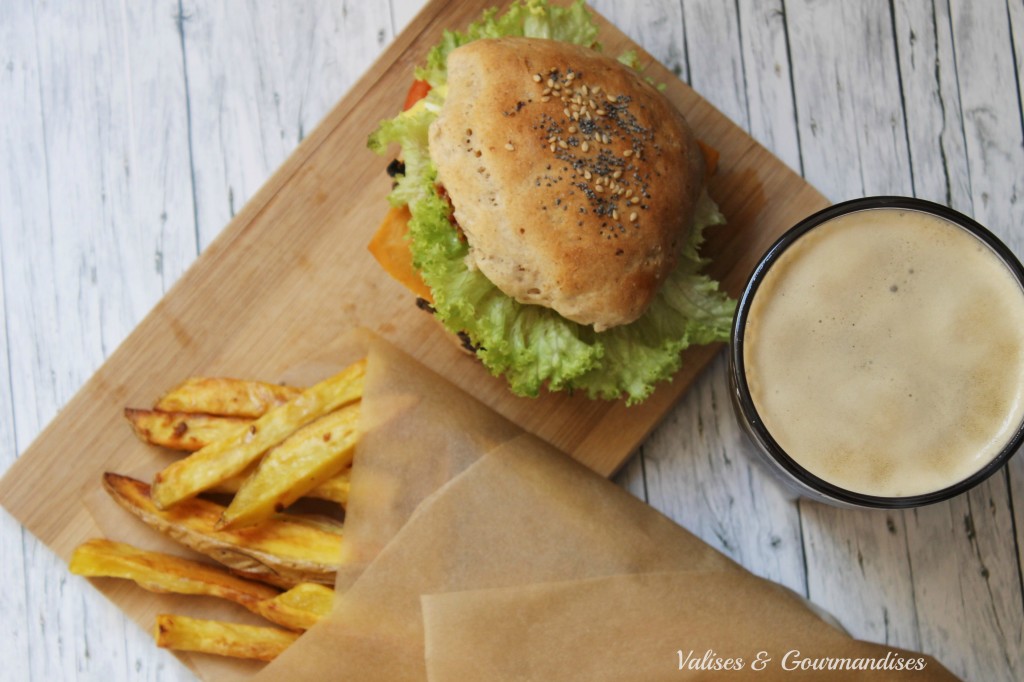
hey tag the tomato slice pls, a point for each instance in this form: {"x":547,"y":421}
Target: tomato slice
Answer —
{"x":417,"y":91}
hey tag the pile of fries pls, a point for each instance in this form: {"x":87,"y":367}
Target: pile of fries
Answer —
{"x":267,"y":446}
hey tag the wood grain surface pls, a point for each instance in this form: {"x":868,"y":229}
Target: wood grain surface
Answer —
{"x":132,"y":134}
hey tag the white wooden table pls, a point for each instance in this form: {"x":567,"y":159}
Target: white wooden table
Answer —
{"x":131,"y":132}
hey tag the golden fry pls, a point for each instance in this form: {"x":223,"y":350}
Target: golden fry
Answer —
{"x":334,"y":489}
{"x":301,"y":462}
{"x":191,"y":432}
{"x":225,"y":458}
{"x":158,"y":572}
{"x":284,"y":550}
{"x":224,"y":639}
{"x":227,"y":397}
{"x":300,"y":607}
{"x":182,"y":430}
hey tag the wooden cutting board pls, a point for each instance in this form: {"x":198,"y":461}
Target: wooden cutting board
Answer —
{"x":272,"y":297}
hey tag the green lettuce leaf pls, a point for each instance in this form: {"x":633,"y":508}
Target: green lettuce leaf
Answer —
{"x":532,"y":346}
{"x":532,"y":18}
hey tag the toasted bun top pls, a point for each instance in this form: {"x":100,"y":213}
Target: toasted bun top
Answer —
{"x":573,"y":179}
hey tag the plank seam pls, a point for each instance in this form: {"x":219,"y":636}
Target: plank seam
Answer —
{"x":391,"y":19}
{"x":643,"y":474}
{"x":1013,"y":61}
{"x":180,"y":21}
{"x":973,"y":539}
{"x":803,"y":547}
{"x":942,"y":109}
{"x":1016,"y":531}
{"x":686,"y":44}
{"x":7,"y":351}
{"x":792,"y":94}
{"x":910,"y":563}
{"x":960,"y":101}
{"x":743,"y":63}
{"x":903,"y":96}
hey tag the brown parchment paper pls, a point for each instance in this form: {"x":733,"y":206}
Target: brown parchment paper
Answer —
{"x":644,"y":627}
{"x":418,"y":432}
{"x":522,"y":514}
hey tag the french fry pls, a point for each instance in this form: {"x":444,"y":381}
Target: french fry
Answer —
{"x":301,"y":462}
{"x":284,"y":550}
{"x":158,"y":572}
{"x":334,"y":489}
{"x":191,"y":432}
{"x":225,"y":458}
{"x":182,"y":430}
{"x":225,"y":396}
{"x":300,"y":607}
{"x":224,"y":639}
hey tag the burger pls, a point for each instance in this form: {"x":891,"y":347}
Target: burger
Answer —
{"x":548,"y":208}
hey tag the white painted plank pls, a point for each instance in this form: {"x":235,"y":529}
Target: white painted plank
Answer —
{"x":655,"y":24}
{"x":97,"y":224}
{"x":14,"y":627}
{"x":156,"y":234}
{"x":715,"y":56}
{"x":931,"y":98}
{"x":402,"y":12}
{"x":858,"y":570}
{"x":991,"y":116}
{"x":847,"y":98}
{"x":967,"y":584}
{"x":99,"y":205}
{"x":769,"y":90}
{"x":259,"y":79}
{"x":23,"y":215}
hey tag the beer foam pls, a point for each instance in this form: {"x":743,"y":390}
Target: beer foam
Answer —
{"x":884,"y":352}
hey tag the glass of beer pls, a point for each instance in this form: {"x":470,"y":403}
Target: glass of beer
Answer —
{"x":877,"y":355}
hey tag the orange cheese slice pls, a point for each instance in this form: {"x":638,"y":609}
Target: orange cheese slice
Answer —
{"x":390,"y":246}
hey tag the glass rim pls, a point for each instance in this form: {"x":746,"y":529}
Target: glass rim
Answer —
{"x":745,"y":404}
